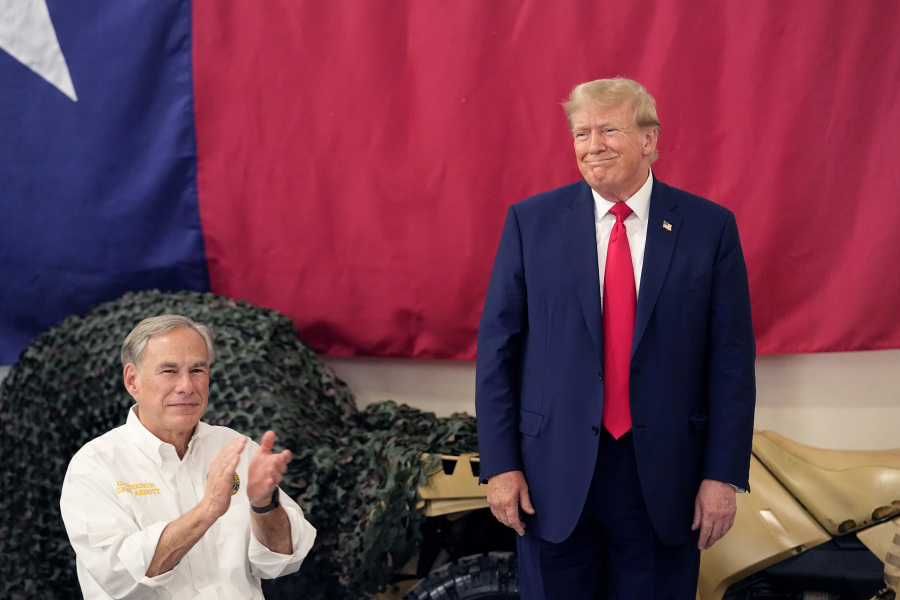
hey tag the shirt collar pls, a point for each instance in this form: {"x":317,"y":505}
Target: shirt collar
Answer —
{"x":156,"y":449}
{"x":639,"y":202}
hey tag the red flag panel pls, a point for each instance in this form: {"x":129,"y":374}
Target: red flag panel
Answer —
{"x":356,"y":158}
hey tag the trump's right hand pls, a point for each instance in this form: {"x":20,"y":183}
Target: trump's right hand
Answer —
{"x":506,"y":494}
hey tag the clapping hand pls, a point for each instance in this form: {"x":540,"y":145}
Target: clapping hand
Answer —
{"x":266,"y":470}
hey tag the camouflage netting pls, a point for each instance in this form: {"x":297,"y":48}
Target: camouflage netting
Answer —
{"x":355,"y":472}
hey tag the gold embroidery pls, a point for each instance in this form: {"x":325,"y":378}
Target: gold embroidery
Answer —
{"x":137,"y":489}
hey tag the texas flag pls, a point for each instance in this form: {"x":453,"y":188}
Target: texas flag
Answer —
{"x":98,"y":159}
{"x":350,"y":163}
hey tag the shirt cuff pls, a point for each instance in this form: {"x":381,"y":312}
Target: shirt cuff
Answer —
{"x":267,"y":564}
{"x":137,"y":553}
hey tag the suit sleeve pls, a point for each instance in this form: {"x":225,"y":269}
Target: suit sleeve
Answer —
{"x":732,"y":375}
{"x":500,"y":338}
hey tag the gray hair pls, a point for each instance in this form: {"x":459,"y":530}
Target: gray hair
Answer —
{"x":134,"y":345}
{"x":615,"y":92}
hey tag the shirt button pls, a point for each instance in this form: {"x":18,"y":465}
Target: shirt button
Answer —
{"x":595,"y":430}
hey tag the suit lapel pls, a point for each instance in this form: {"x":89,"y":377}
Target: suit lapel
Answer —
{"x":581,"y":246}
{"x":662,"y":231}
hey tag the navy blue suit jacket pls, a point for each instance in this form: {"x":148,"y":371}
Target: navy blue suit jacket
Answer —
{"x":539,"y":381}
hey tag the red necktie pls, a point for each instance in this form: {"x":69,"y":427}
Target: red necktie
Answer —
{"x":619,"y":304}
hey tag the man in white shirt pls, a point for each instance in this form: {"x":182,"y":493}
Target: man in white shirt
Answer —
{"x":166,"y":506}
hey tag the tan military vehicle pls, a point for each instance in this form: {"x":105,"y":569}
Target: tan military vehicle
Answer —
{"x":817,"y":525}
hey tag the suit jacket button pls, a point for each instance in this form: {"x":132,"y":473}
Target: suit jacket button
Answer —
{"x":595,"y":430}
{"x":600,"y":374}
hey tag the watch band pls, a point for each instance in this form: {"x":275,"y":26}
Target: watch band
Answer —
{"x":261,"y":510}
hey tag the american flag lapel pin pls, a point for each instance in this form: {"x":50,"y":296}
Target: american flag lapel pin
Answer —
{"x":667,"y":226}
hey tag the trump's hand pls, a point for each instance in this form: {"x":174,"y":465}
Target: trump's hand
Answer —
{"x":506,"y":494}
{"x":714,"y":511}
{"x":266,"y":470}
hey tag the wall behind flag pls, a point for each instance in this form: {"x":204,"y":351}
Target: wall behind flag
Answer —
{"x":838,"y":400}
{"x":356,"y":158}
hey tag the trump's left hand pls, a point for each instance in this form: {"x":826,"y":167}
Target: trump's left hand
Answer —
{"x":266,"y":470}
{"x":714,"y":511}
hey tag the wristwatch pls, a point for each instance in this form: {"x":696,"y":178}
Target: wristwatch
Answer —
{"x":261,"y":510}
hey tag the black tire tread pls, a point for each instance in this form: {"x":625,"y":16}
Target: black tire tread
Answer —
{"x":482,"y":576}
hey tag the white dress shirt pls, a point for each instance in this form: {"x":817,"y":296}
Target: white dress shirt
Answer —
{"x":123,"y":488}
{"x":635,"y":225}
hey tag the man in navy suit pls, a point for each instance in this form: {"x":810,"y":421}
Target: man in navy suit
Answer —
{"x":620,"y":508}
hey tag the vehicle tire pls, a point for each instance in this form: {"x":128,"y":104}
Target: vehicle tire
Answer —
{"x":492,"y":576}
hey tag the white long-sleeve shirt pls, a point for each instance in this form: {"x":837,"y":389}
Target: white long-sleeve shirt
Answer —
{"x":123,"y":488}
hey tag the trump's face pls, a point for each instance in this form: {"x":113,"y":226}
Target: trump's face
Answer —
{"x":613,"y":154}
{"x":171,"y":385}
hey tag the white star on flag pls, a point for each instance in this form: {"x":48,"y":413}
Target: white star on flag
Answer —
{"x":27,"y":33}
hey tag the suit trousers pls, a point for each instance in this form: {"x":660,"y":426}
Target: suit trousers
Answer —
{"x":613,"y":553}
